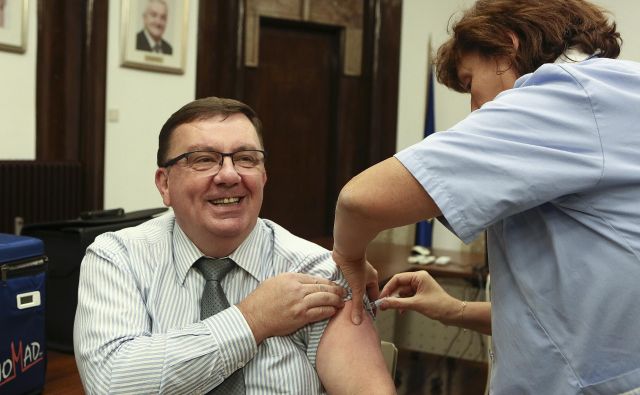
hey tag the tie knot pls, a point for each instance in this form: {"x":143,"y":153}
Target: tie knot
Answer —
{"x":214,"y":269}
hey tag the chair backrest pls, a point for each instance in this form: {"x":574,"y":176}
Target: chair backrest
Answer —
{"x":390,"y":354}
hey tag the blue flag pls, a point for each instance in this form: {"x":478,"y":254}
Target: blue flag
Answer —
{"x":424,"y":229}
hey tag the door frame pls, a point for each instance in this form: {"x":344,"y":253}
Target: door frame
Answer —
{"x":220,"y":52}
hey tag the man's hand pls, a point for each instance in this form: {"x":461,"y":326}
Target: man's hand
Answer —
{"x":361,"y":277}
{"x":287,"y":302}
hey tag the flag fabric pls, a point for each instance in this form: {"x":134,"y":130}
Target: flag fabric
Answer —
{"x":424,"y":229}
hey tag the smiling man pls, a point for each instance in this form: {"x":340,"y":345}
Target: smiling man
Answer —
{"x":154,"y":19}
{"x":144,"y":323}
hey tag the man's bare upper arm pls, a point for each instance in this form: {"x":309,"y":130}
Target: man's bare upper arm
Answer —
{"x":349,"y":358}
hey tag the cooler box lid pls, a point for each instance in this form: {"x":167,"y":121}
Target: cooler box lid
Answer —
{"x":17,"y":248}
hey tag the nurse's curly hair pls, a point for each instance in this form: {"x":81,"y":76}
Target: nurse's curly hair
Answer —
{"x":544,"y":28}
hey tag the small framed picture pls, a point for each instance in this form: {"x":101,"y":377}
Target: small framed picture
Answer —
{"x":14,"y":15}
{"x":154,"y":34}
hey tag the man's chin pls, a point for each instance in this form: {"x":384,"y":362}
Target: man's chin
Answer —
{"x":229,"y":229}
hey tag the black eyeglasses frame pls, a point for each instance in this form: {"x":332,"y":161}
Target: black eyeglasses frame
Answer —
{"x":178,"y":158}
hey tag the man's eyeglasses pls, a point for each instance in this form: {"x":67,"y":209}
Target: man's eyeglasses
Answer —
{"x":245,"y":161}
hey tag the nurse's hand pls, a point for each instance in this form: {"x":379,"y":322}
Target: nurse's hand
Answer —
{"x":362,"y":277}
{"x":420,"y":292}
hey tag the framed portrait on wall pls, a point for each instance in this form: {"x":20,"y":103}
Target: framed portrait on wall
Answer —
{"x":14,"y":15}
{"x":154,"y":34}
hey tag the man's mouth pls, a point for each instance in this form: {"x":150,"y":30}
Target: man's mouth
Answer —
{"x":225,"y":201}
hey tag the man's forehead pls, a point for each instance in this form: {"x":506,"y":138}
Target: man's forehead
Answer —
{"x":222,"y":118}
{"x":217,"y":123}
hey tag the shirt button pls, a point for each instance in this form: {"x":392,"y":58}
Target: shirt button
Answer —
{"x":240,"y":365}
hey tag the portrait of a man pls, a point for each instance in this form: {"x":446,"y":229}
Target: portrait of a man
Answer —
{"x":154,"y":18}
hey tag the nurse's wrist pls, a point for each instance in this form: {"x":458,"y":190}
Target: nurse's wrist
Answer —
{"x":452,"y":312}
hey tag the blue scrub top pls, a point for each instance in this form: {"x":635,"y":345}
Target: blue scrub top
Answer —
{"x":551,"y":168}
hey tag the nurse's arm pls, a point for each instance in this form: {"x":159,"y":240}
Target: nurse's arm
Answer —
{"x":383,"y":196}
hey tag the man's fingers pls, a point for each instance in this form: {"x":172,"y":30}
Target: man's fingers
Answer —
{"x":330,"y":288}
{"x":320,"y":313}
{"x":308,"y":279}
{"x":318,"y":299}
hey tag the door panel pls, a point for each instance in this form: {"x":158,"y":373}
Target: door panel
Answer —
{"x":293,"y":91}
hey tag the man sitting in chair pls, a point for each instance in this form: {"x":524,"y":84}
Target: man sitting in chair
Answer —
{"x":152,"y":315}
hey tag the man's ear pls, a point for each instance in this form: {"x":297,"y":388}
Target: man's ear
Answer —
{"x":162,"y":183}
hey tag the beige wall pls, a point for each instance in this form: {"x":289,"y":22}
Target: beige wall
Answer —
{"x":139,"y":102}
{"x":18,"y":93}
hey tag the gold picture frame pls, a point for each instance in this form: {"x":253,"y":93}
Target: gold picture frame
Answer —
{"x":14,"y":18}
{"x":154,"y":35}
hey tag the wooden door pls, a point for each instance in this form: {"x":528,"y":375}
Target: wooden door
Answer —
{"x":322,"y":76}
{"x":295,"y":96}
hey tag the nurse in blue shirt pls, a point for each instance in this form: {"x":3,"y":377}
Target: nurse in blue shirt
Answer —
{"x":548,"y":163}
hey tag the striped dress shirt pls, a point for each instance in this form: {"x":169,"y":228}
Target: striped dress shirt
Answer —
{"x":138,"y":327}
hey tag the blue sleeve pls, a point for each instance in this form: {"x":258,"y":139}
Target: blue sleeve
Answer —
{"x":531,"y":144}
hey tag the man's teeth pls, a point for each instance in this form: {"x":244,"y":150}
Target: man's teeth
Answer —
{"x":226,"y":201}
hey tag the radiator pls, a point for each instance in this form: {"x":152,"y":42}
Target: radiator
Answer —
{"x":34,"y":192}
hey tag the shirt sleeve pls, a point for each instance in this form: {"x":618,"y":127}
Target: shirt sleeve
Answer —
{"x":117,"y":351}
{"x":532,"y":144}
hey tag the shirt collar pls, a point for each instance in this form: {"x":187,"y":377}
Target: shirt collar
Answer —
{"x":185,"y":253}
{"x":574,"y":55}
{"x":251,"y":255}
{"x":256,"y":251}
{"x":571,"y":55}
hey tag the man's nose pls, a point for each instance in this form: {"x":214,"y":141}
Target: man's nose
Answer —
{"x":228,"y":170}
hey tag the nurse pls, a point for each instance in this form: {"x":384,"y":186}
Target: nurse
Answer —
{"x":548,"y":163}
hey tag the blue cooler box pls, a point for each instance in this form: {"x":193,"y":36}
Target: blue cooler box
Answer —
{"x":22,"y":328}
